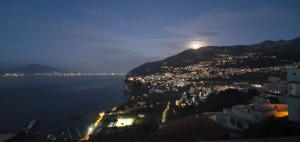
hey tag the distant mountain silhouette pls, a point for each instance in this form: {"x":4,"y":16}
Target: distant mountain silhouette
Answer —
{"x":31,"y":68}
{"x":282,"y":49}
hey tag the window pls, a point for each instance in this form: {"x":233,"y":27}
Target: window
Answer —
{"x":232,"y":120}
{"x":256,"y":118}
{"x":240,"y":125}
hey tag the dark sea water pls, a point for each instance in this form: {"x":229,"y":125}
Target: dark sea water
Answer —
{"x":56,"y":102}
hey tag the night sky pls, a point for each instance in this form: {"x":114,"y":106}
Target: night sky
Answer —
{"x":117,"y":35}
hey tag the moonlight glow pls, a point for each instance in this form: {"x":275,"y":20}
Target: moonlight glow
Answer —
{"x":196,"y":44}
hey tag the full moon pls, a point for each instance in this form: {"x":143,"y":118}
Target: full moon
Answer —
{"x":196,"y":44}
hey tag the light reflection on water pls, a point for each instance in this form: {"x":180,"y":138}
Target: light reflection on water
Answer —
{"x":57,"y":102}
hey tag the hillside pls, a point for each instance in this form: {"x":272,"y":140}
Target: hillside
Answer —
{"x":29,"y":69}
{"x":285,"y":51}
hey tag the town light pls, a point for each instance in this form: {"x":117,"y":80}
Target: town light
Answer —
{"x":122,"y":122}
{"x":90,"y":130}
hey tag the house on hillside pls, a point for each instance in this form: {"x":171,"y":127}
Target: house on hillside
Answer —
{"x":293,"y":81}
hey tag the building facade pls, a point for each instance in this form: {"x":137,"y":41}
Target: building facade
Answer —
{"x":241,"y":117}
{"x":293,"y":85}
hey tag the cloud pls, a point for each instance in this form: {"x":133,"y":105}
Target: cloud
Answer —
{"x":220,"y":26}
{"x":208,"y":33}
{"x":99,"y":39}
{"x":76,"y":46}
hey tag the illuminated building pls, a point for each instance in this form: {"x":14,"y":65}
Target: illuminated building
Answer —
{"x":122,"y":122}
{"x":241,"y":117}
{"x":293,"y":78}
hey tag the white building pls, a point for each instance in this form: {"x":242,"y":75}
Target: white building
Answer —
{"x":251,"y":114}
{"x":293,"y":78}
{"x":241,"y":117}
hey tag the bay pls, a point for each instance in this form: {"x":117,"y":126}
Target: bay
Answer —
{"x":57,"y":102}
